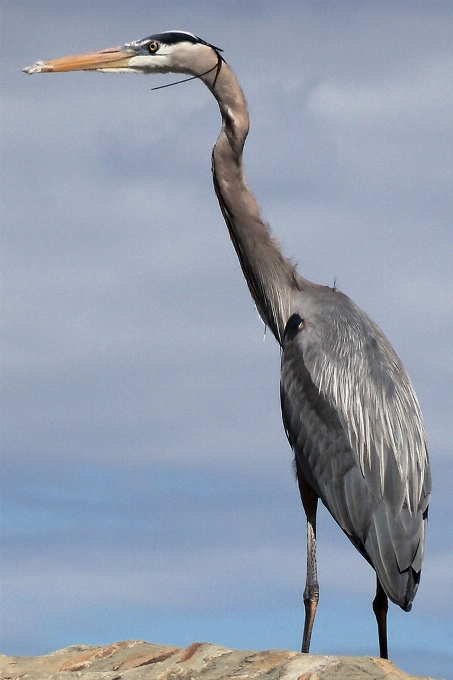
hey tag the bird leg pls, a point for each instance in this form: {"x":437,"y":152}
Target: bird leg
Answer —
{"x":380,"y":607}
{"x":311,"y":592}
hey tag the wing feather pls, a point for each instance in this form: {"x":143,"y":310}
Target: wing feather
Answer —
{"x":353,"y":420}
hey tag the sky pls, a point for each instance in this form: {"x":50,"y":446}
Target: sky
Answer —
{"x":147,"y":487}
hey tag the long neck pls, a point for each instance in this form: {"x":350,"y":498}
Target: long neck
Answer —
{"x":272,"y":279}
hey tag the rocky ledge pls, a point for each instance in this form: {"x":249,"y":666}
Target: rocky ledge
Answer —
{"x":139,"y":660}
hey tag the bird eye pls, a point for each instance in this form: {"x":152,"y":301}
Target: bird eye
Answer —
{"x":153,"y":46}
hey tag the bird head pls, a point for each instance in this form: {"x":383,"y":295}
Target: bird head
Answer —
{"x":169,"y":52}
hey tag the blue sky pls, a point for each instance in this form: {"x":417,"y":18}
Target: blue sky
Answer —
{"x":146,"y":479}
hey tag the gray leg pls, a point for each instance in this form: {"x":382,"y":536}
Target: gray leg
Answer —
{"x":380,"y":607}
{"x":311,"y":592}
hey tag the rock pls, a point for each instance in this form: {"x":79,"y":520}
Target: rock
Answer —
{"x":139,"y":660}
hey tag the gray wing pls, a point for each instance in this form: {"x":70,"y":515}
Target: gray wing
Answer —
{"x":353,"y":420}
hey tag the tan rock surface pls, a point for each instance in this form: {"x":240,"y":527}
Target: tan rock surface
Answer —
{"x":139,"y":660}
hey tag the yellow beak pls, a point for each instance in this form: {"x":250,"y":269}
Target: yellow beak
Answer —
{"x":112,"y":57}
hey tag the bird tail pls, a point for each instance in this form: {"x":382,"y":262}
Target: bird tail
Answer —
{"x":395,"y":550}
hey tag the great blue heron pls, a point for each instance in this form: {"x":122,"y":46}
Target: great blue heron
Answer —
{"x":349,"y":409}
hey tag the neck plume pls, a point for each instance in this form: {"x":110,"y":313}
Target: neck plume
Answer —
{"x":272,"y":279}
